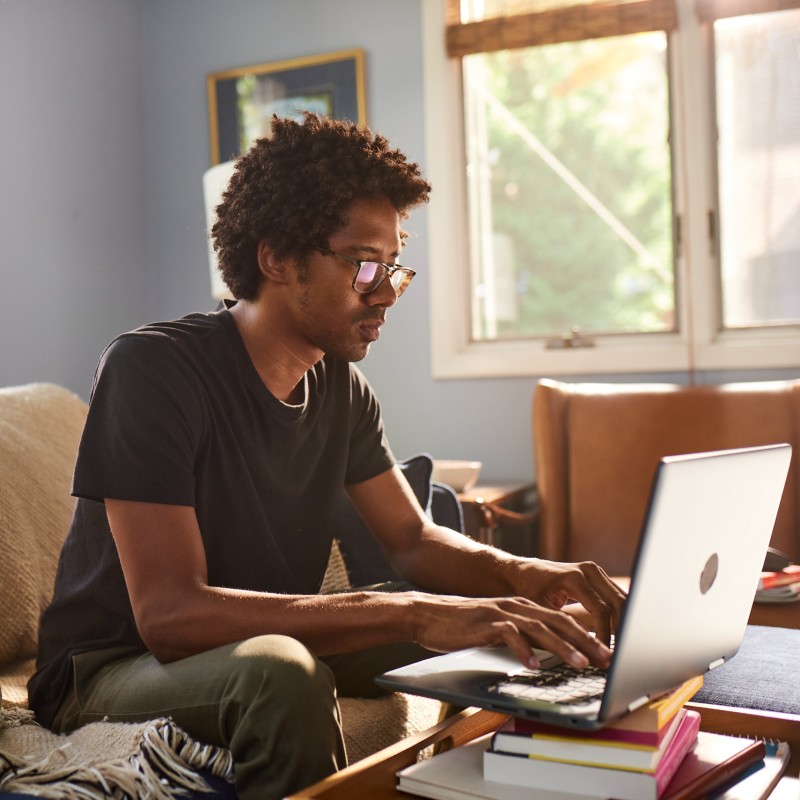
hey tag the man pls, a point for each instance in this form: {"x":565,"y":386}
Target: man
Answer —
{"x":213,"y":453}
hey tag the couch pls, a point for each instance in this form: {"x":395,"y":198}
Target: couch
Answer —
{"x":40,"y":427}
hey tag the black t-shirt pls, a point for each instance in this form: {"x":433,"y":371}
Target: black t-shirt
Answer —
{"x":179,"y":415}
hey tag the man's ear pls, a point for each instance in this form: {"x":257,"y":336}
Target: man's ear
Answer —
{"x":271,"y":266}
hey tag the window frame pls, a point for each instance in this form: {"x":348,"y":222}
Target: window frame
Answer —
{"x":699,"y":343}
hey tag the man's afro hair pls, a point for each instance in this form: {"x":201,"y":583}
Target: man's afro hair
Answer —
{"x":294,"y":187}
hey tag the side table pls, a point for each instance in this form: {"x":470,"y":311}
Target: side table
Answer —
{"x":502,"y":514}
{"x":776,"y":615}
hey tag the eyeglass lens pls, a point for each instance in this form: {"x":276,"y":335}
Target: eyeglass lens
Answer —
{"x":372,"y":273}
{"x":399,"y":281}
{"x":369,"y":276}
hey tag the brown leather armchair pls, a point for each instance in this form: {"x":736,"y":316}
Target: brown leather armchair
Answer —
{"x":596,"y":447}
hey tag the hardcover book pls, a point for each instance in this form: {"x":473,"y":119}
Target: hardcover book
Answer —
{"x":733,"y":767}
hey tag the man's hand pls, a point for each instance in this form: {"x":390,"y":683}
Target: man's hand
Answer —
{"x":445,"y":623}
{"x":518,"y":601}
{"x":554,"y":585}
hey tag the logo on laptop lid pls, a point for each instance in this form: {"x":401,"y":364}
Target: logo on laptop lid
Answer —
{"x":709,"y":573}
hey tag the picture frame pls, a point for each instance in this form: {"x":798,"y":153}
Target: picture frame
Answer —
{"x":241,"y":101}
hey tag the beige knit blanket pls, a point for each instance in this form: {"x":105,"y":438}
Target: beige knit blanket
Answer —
{"x":153,"y":760}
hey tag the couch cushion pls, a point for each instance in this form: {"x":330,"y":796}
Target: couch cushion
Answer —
{"x":760,"y":675}
{"x":370,"y":724}
{"x":40,"y":426}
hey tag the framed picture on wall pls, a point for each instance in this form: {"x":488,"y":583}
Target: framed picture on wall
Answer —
{"x":241,"y":101}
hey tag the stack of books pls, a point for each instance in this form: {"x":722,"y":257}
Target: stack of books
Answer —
{"x":655,"y":752}
{"x":633,"y":759}
{"x":779,"y":587}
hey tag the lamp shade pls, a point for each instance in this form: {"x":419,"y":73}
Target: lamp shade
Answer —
{"x":215,"y":181}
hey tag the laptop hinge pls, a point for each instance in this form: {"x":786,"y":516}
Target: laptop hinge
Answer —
{"x":718,"y":663}
{"x":637,"y":703}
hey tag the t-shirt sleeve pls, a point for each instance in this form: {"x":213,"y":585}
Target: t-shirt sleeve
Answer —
{"x":144,"y":427}
{"x":370,"y":453}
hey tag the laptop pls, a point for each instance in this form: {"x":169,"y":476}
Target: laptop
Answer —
{"x":708,"y":524}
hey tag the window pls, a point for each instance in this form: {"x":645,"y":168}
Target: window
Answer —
{"x":584,"y":217}
{"x":758,"y":123}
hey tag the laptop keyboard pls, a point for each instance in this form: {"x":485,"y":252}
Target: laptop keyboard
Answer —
{"x":561,"y":684}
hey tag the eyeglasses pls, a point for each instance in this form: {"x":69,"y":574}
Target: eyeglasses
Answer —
{"x":370,"y":274}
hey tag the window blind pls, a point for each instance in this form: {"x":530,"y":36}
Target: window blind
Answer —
{"x":709,"y":10}
{"x":508,"y":24}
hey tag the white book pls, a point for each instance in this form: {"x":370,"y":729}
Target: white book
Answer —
{"x":457,"y":774}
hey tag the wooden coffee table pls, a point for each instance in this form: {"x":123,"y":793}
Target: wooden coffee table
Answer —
{"x":375,"y":776}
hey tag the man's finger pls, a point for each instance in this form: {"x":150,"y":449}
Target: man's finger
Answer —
{"x":562,"y":635}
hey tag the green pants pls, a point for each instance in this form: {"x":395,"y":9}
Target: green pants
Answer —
{"x":267,"y":699}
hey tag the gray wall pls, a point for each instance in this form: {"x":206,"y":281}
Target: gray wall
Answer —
{"x":72,"y":230}
{"x":105,"y":140}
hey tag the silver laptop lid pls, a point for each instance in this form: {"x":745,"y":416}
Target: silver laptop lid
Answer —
{"x":707,"y":527}
{"x":705,"y":533}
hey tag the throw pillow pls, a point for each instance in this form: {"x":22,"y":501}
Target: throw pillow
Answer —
{"x":366,"y":561}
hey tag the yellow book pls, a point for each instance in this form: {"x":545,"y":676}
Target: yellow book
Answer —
{"x":653,"y":716}
{"x":645,"y":727}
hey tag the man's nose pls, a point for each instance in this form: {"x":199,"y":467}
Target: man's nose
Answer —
{"x":384,"y":295}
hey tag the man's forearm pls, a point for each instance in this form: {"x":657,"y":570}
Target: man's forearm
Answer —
{"x":340,"y":623}
{"x":326,"y":624}
{"x":448,"y":562}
